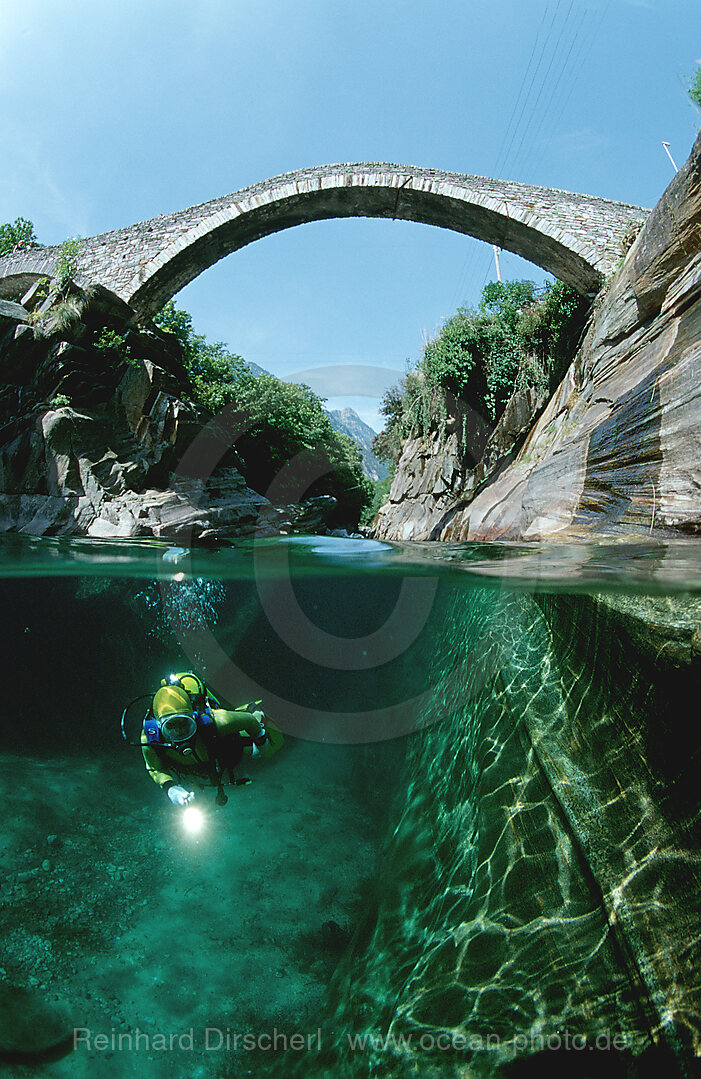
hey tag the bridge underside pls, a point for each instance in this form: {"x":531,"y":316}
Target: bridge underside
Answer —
{"x":14,"y":286}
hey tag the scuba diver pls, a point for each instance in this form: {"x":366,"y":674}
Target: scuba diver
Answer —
{"x":186,"y":735}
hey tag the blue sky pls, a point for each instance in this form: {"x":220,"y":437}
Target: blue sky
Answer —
{"x":117,"y":110}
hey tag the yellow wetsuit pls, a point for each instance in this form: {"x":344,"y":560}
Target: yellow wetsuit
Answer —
{"x":235,"y":734}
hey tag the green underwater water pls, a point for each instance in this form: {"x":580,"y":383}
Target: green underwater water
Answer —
{"x":448,"y":846}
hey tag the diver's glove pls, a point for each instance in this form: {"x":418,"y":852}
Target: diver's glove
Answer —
{"x":179,"y":796}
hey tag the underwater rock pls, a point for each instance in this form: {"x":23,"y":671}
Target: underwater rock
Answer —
{"x":334,"y":937}
{"x":31,"y":1030}
{"x":664,"y":630}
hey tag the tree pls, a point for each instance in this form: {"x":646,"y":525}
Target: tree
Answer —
{"x":279,"y":429}
{"x":454,"y":358}
{"x":176,"y":322}
{"x":18,"y":234}
{"x":287,"y":441}
{"x":387,"y":445}
{"x":506,"y":300}
{"x":381,"y":489}
{"x":213,"y":370}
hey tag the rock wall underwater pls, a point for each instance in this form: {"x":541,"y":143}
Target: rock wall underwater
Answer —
{"x":540,"y":885}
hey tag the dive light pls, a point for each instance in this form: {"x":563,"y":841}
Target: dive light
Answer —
{"x":193,"y":819}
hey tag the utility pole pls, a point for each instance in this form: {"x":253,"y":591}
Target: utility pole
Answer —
{"x":496,"y":259}
{"x":666,"y":146}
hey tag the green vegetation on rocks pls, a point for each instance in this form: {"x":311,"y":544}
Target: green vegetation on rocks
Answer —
{"x":112,"y":341}
{"x":67,"y":262}
{"x":213,"y":370}
{"x":519,"y":336}
{"x":381,"y":490}
{"x":695,"y":87}
{"x":286,"y":441}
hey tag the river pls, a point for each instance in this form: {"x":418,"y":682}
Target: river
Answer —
{"x":477,"y":845}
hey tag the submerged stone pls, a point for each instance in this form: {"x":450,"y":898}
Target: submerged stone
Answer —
{"x":32,"y":1031}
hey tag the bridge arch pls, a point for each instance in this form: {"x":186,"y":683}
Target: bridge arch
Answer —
{"x":575,"y":237}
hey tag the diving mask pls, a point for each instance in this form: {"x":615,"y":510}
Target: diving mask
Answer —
{"x":178,"y":727}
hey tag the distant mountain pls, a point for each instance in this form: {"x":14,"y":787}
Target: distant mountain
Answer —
{"x":349,"y":422}
{"x":255,"y":369}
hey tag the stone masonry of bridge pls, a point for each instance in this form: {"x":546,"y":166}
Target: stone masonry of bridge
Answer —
{"x":575,"y":237}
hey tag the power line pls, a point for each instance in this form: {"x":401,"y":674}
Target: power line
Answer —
{"x":507,"y":132}
{"x":558,"y":42}
{"x":584,"y":49}
{"x":545,"y":81}
{"x":558,"y":63}
{"x":555,"y":85}
{"x":530,"y":87}
{"x":507,"y":140}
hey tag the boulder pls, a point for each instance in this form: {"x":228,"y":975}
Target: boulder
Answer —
{"x":32,"y":1031}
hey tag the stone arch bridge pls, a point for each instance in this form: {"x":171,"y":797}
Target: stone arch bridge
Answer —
{"x":575,"y":237}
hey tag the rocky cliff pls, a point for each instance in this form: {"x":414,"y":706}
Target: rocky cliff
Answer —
{"x":540,"y":889}
{"x":616,"y":450}
{"x":97,"y":436}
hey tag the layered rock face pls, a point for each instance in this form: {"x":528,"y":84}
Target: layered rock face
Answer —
{"x":540,"y":887}
{"x":434,"y":473}
{"x":616,"y":450}
{"x":96,"y":446}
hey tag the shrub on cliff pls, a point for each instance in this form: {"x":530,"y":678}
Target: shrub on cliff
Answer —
{"x":381,"y":489}
{"x":67,"y":263}
{"x":475,"y":355}
{"x":518,"y":336}
{"x":695,"y":87}
{"x":551,"y":330}
{"x":410,"y":408}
